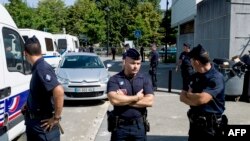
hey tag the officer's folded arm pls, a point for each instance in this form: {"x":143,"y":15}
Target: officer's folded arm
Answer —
{"x":121,"y":99}
{"x":197,"y":99}
{"x":185,"y":99}
{"x":146,"y":101}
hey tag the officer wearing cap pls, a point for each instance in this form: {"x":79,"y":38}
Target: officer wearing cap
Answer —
{"x":130,"y":92}
{"x":206,"y":98}
{"x":154,"y":60}
{"x":185,"y":65}
{"x":45,"y":101}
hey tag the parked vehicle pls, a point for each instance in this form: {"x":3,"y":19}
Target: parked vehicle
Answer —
{"x":15,"y":77}
{"x":66,"y":43}
{"x":83,"y":76}
{"x":47,"y":43}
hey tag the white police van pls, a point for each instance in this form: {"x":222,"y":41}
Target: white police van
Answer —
{"x":66,"y":43}
{"x":47,"y":42}
{"x":15,"y":74}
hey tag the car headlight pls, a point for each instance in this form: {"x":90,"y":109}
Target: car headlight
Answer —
{"x":104,"y":80}
{"x":62,"y":80}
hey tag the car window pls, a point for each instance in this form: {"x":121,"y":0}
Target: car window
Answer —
{"x":82,"y":62}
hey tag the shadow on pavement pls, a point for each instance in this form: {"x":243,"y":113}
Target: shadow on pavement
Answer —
{"x":166,"y":138}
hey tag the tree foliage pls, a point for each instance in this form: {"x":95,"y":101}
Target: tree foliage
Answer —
{"x":21,"y":13}
{"x":85,"y":18}
{"x":169,"y":34}
{"x":96,"y":19}
{"x":51,"y":15}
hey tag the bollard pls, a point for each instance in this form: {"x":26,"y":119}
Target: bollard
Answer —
{"x":169,"y":80}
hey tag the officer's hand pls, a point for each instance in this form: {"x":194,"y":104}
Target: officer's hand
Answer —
{"x":48,"y":124}
{"x":190,"y":90}
{"x":176,"y":69}
{"x":183,"y":95}
{"x":140,"y":95}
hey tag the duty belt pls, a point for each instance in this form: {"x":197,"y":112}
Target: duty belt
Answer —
{"x":38,"y":116}
{"x":122,"y":121}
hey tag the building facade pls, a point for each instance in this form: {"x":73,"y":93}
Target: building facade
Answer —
{"x":219,"y":25}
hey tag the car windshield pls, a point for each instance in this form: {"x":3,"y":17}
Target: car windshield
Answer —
{"x":81,"y":61}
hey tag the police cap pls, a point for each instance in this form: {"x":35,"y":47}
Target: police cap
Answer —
{"x":133,"y":54}
{"x":187,"y":45}
{"x":199,"y":53}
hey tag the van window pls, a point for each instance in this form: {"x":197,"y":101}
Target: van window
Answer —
{"x":14,"y":46}
{"x":62,"y":45}
{"x":49,"y":44}
{"x":76,"y":44}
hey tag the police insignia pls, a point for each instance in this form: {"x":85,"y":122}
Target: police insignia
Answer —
{"x":121,"y":83}
{"x":48,"y":77}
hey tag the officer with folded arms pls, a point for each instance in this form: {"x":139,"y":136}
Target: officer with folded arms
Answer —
{"x":130,"y":92}
{"x":45,"y":101}
{"x":205,"y":97}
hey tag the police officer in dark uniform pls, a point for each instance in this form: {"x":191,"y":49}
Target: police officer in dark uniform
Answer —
{"x":130,"y":92}
{"x":205,"y":97}
{"x":142,"y":53}
{"x":113,"y":51}
{"x":45,"y":101}
{"x":154,"y":60}
{"x":185,"y":65}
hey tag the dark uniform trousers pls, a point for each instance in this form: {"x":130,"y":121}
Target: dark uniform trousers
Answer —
{"x":129,"y":130}
{"x":186,"y":78}
{"x":35,"y":132}
{"x":205,"y":127}
{"x":153,"y":74}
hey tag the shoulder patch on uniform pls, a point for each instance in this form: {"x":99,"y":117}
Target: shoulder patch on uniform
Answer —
{"x":121,"y":83}
{"x":48,"y":77}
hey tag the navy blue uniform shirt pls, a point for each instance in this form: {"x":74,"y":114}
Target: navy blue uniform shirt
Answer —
{"x":211,"y":82}
{"x":130,"y":87}
{"x":154,"y":58}
{"x":42,"y":83}
{"x":186,"y":63}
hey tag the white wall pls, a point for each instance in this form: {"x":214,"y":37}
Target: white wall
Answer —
{"x":182,"y":11}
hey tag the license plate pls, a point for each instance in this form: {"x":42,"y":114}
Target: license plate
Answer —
{"x":84,"y":89}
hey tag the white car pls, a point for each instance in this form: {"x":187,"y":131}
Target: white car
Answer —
{"x":83,"y":76}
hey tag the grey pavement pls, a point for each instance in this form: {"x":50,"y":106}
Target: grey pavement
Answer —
{"x":167,"y":117}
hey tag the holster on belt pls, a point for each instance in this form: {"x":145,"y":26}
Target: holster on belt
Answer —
{"x":112,"y":121}
{"x":204,"y":120}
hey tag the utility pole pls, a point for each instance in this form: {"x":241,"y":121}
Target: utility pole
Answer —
{"x":108,"y":10}
{"x":166,"y":41}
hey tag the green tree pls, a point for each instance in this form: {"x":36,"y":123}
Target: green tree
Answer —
{"x":85,"y":18}
{"x":21,"y":13}
{"x":169,"y":34}
{"x":147,"y":19}
{"x":51,"y":15}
